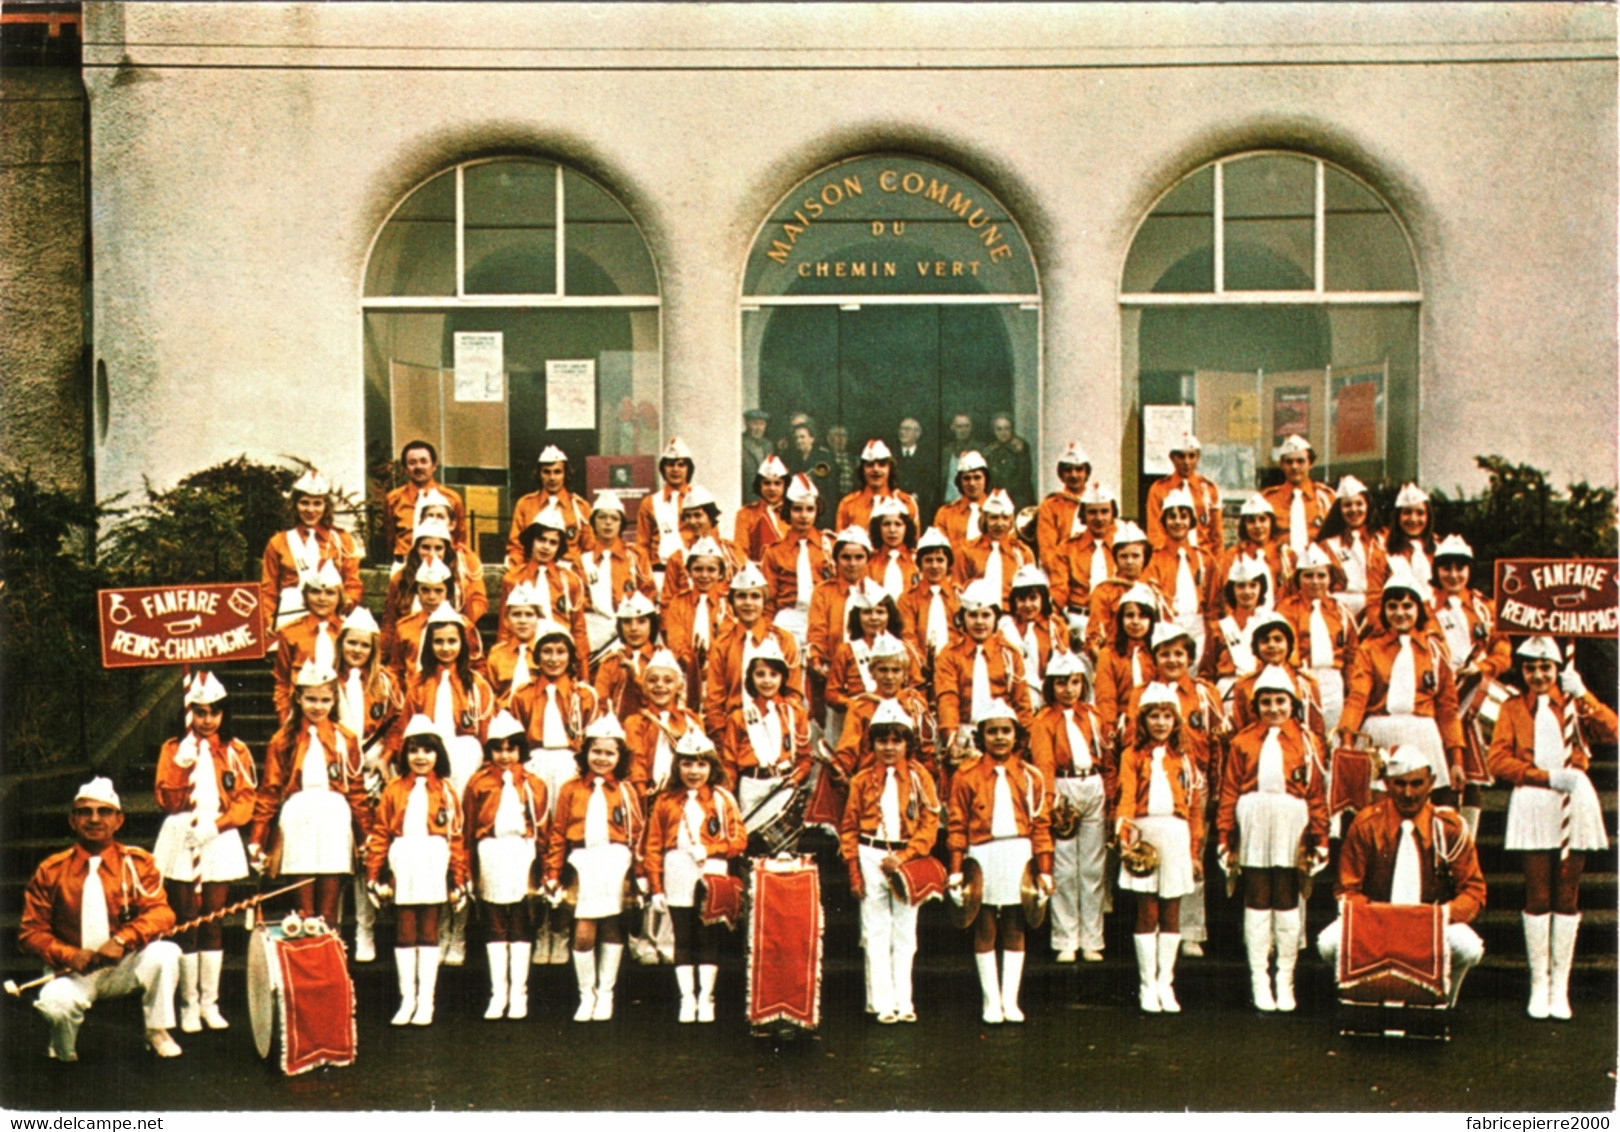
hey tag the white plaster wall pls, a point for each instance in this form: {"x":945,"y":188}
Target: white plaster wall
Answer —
{"x":237,"y":185}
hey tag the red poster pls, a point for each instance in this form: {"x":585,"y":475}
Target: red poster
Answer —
{"x":1290,"y":413}
{"x":1355,"y":421}
{"x":628,"y":477}
{"x":202,"y":624}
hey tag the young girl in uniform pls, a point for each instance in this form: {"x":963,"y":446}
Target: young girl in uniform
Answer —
{"x":693,"y":619}
{"x":1000,"y":816}
{"x":618,"y":673}
{"x":1126,"y":663}
{"x":417,"y":839}
{"x":655,"y":731}
{"x":1130,"y":565}
{"x":612,"y":573}
{"x":894,"y":539}
{"x":890,"y":818}
{"x":313,"y":791}
{"x":1184,"y":573}
{"x":205,"y":784}
{"x":893,"y":665}
{"x":1541,"y":747}
{"x":869,"y":613}
{"x":504,"y":816}
{"x":1325,"y":628}
{"x":1272,"y":806}
{"x":1066,"y":745}
{"x":312,"y":637}
{"x":978,"y":668}
{"x":311,"y":541}
{"x":596,"y":829}
{"x":760,"y":525}
{"x":1160,"y":804}
{"x":767,"y":739}
{"x":1229,"y":658}
{"x":928,"y":609}
{"x":555,"y":707}
{"x":1033,"y":629}
{"x":546,"y":567}
{"x":510,"y":662}
{"x":1259,"y":546}
{"x":1351,"y":537}
{"x":694,"y":829}
{"x":432,"y":541}
{"x":1410,"y":538}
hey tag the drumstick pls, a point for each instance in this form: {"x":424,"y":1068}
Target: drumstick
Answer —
{"x":16,"y":991}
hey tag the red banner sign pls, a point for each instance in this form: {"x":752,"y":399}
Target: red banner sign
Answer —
{"x":1561,"y":597}
{"x":201,"y":624}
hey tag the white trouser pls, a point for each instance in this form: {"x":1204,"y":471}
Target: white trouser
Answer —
{"x":1078,"y":869}
{"x":889,"y":925}
{"x":1467,"y":949}
{"x":154,"y":971}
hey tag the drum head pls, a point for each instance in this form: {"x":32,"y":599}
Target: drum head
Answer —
{"x":261,"y":991}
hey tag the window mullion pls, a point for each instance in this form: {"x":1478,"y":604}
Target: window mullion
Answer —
{"x":1319,"y":228}
{"x":1220,"y":228}
{"x":562,"y":251}
{"x":461,"y":234}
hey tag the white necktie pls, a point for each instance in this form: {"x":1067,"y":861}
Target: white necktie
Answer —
{"x":1550,"y":751}
{"x":204,"y":784}
{"x":553,"y":733}
{"x":863,"y":664}
{"x":325,"y":648}
{"x":352,"y":702}
{"x":1406,"y":886}
{"x":542,"y":582}
{"x":973,"y":521}
{"x":314,"y":769}
{"x":1420,"y":566}
{"x":416,"y":808}
{"x":1402,"y":696}
{"x":1237,"y":643}
{"x":1455,"y":623}
{"x":1100,"y":567}
{"x":992,"y":570}
{"x":1355,"y":565}
{"x":1186,"y":585}
{"x":93,"y":929}
{"x":1079,"y":749}
{"x":601,"y":578}
{"x":306,"y":550}
{"x":1136,"y":668}
{"x":750,"y":646}
{"x":1270,"y":771}
{"x":596,"y":817}
{"x":894,"y":582}
{"x":889,"y":807}
{"x":769,"y":752}
{"x":444,"y":710}
{"x":805,"y":580}
{"x":509,"y":810}
{"x":1031,"y":645}
{"x":981,"y":683}
{"x":700,"y":621}
{"x":1298,"y":534}
{"x":691,"y":832}
{"x":938,"y":631}
{"x":1161,"y":799}
{"x":663,"y":757}
{"x":1321,"y":640}
{"x":520,"y":670}
{"x":1003,"y":818}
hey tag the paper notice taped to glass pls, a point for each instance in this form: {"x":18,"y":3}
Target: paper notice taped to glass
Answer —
{"x":480,"y":366}
{"x":571,"y":394}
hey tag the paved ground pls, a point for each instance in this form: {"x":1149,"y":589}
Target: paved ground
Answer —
{"x":1085,"y":1047}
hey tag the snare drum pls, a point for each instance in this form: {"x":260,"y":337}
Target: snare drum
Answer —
{"x":776,"y":815}
{"x":919,"y":880}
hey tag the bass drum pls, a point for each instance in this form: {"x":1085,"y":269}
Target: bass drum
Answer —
{"x":261,"y":991}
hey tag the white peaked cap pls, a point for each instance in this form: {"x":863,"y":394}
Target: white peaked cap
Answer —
{"x":1187,"y":443}
{"x":1246,"y":569}
{"x":1541,"y":648}
{"x":856,"y":535}
{"x":887,"y":646}
{"x":99,"y":789}
{"x":204,"y":688}
{"x":704,"y":547}
{"x":605,"y":726}
{"x":1257,"y":504}
{"x":1140,"y":594}
{"x":1028,"y":575}
{"x":1405,"y":759}
{"x":1128,"y":532}
{"x":971,"y":461}
{"x":551,"y":516}
{"x":433,"y":572}
{"x":326,"y":576}
{"x":1066,"y":664}
{"x":885,"y":505}
{"x":663,"y":658}
{"x":420,"y":724}
{"x":1295,"y":445}
{"x":676,"y":449}
{"x":1274,"y":678}
{"x":1159,"y":694}
{"x":1350,"y":485}
{"x":431,"y":528}
{"x":769,"y":649}
{"x":608,"y":500}
{"x":698,"y":496}
{"x":866,"y":594}
{"x":524,"y":594}
{"x":551,"y":454}
{"x":931,"y":539}
{"x":503,"y":726}
{"x":1313,"y":557}
{"x":1073,"y":455}
{"x":1270,"y":619}
{"x":748,"y":578}
{"x":1403,"y":577}
{"x":890,"y":712}
{"x":772,"y":466}
{"x":1179,"y":497}
{"x":874,"y":451}
{"x":313,"y":675}
{"x":996,"y":709}
{"x":446,"y":614}
{"x":1411,"y":495}
{"x":1096,"y":494}
{"x":981,"y":594}
{"x":693,"y":744}
{"x":1166,"y":631}
{"x":1453,"y":546}
{"x":636,"y":605}
{"x":998,"y":502}
{"x":801,"y":490}
{"x":311,"y":483}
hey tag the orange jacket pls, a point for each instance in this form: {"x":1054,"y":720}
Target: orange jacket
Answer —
{"x":972,"y":807}
{"x":284,"y":776}
{"x":780,"y":565}
{"x":472,"y":708}
{"x":1206,"y":510}
{"x":854,"y":751}
{"x":1070,"y":570}
{"x":844,"y":677}
{"x":1367,"y":858}
{"x":399,"y":515}
{"x":443,"y":820}
{"x":647,"y":518}
{"x":737,"y":746}
{"x":1164,"y":567}
{"x":1049,"y":745}
{"x":569,"y":601}
{"x":1341,"y":626}
{"x":953,"y":680}
{"x":1513,"y":743}
{"x":501,"y":666}
{"x":402,"y":651}
{"x":1054,"y":519}
{"x":576,"y":703}
{"x":295,"y":646}
{"x":234,"y":777}
{"x":1318,"y":502}
{"x":1187,"y":789}
{"x":1435,"y":693}
{"x":483,"y":801}
{"x":1302,"y":778}
{"x":576,"y":514}
{"x":1202,"y":721}
{"x":855,"y":509}
{"x":972,"y":559}
{"x":625,"y":820}
{"x":828,"y":617}
{"x":1489,"y":652}
{"x":1115,"y":681}
{"x":914,"y":605}
{"x":723,"y":688}
{"x":470,"y":597}
{"x":878,"y":568}
{"x":280,"y":570}
{"x":952,"y":520}
{"x":757,"y":527}
{"x":722,"y":831}
{"x":863,"y":811}
{"x":641,"y":732}
{"x":137,"y":909}
{"x":618,"y":679}
{"x":382,"y":725}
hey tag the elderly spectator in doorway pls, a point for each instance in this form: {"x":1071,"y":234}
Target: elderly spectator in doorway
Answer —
{"x":805,"y":457}
{"x":843,"y":462}
{"x":1011,"y":466}
{"x":914,"y":466}
{"x":755,"y":446}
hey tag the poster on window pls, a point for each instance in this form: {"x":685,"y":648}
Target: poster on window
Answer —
{"x":1358,"y":413}
{"x":1290,"y":413}
{"x":480,"y":359}
{"x":1163,"y":426}
{"x":571,"y":394}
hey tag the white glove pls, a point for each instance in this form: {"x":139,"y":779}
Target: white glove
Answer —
{"x":201,"y":833}
{"x":553,"y":892}
{"x":380,"y":892}
{"x":1046,"y":884}
{"x":459,"y":896}
{"x":1565,"y":780}
{"x":642,"y":886}
{"x":1223,"y":858}
{"x":1319,"y":859}
{"x":1570,"y":681}
{"x":953,"y":886}
{"x":660,"y":904}
{"x":256,"y":859}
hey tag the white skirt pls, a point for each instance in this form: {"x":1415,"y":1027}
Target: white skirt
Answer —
{"x":466,"y":756}
{"x":317,"y":834}
{"x":601,"y":880}
{"x":222,"y":859}
{"x":681,"y":875}
{"x":1418,"y":731}
{"x":1269,"y":830}
{"x":1002,"y":861}
{"x":1534,"y":813}
{"x":420,"y":863}
{"x":553,"y":766}
{"x":1174,"y":876}
{"x":504,"y":864}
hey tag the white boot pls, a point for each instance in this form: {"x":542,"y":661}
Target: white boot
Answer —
{"x":405,"y":960}
{"x":365,"y":923}
{"x":500,"y":957}
{"x":1257,"y":942}
{"x":209,"y":965}
{"x":707,"y":973}
{"x":607,"y":974}
{"x":1564,"y":930}
{"x":190,"y":1011}
{"x":1536,"y":948}
{"x":685,"y":979}
{"x":585,"y":976}
{"x":518,"y":1004}
{"x":1286,"y":925}
{"x":1147,"y":970}
{"x":162,"y":1043}
{"x":990,"y":985}
{"x":1012,"y":974}
{"x":427,"y":981}
{"x":1169,"y":943}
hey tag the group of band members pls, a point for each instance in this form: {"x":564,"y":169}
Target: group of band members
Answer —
{"x":1010,"y":694}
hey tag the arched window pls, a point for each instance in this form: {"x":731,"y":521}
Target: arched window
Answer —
{"x":886,"y":291}
{"x":1268,"y":294}
{"x":510,"y":304}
